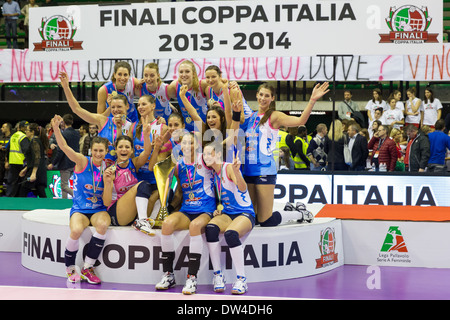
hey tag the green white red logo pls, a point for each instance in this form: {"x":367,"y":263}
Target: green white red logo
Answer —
{"x":327,"y":246}
{"x":409,"y":24}
{"x":57,"y":33}
{"x":394,"y":241}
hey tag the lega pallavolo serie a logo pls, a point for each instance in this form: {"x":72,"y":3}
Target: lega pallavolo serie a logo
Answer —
{"x":409,"y":24}
{"x":57,"y":33}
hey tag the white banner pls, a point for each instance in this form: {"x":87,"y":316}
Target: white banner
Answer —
{"x":270,"y":254}
{"x":402,"y":190}
{"x":264,"y":28}
{"x":396,"y":243}
{"x":17,"y":66}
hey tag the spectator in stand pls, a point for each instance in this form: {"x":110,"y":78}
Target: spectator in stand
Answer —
{"x":396,"y":136}
{"x":93,"y":130}
{"x":298,"y":148}
{"x":35,"y":171}
{"x":85,"y":139}
{"x":375,"y":103}
{"x":384,"y":150}
{"x":11,"y":12}
{"x":18,"y":146}
{"x":397,"y":95}
{"x":26,"y":12}
{"x":285,"y":161}
{"x":4,"y":142}
{"x":358,"y":147}
{"x":432,"y":109}
{"x":393,"y":116}
{"x":335,"y":156}
{"x":374,"y":126}
{"x":316,"y":149}
{"x":413,"y":108}
{"x":439,"y":143}
{"x":417,"y":150}
{"x":349,"y":109}
{"x":61,"y":160}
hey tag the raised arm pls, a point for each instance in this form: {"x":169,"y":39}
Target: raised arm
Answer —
{"x":79,"y":159}
{"x":279,"y":119}
{"x":93,"y":118}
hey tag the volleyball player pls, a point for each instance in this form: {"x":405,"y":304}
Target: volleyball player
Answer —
{"x":88,"y":208}
{"x":198,"y":204}
{"x":260,"y":171}
{"x":109,"y":128}
{"x":153,"y":86}
{"x":146,"y":108}
{"x":234,"y":216}
{"x":121,"y":84}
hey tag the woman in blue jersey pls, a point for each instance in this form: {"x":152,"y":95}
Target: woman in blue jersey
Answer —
{"x":260,"y":170}
{"x":109,"y":128}
{"x":153,"y":86}
{"x":121,"y":84}
{"x":187,"y":75}
{"x":88,"y":208}
{"x":234,"y":216}
{"x":195,"y":180}
{"x":146,"y":108}
{"x":217,"y":88}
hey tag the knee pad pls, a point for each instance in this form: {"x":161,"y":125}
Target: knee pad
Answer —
{"x":232,"y":238}
{"x":144,"y":190}
{"x":273,"y":221}
{"x":212,"y":232}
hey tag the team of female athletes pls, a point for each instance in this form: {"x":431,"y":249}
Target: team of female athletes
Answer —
{"x":218,"y":191}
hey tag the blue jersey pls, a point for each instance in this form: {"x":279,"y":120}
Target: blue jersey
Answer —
{"x":233,"y":200}
{"x":246,"y":108}
{"x":162,"y":108}
{"x":85,"y":199}
{"x":109,"y":131}
{"x":197,"y":185}
{"x":260,"y":143}
{"x":144,"y":172}
{"x":110,"y":87}
{"x":198,"y":101}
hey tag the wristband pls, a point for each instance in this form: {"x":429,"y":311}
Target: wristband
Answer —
{"x":236,"y":116}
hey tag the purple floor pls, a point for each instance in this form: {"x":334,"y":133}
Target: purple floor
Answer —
{"x":344,"y":283}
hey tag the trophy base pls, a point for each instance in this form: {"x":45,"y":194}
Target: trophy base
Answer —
{"x":162,"y":214}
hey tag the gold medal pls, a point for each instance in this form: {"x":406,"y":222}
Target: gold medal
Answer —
{"x":94,"y":199}
{"x":220,"y":207}
{"x":112,"y":152}
{"x":114,"y":93}
{"x":188,"y":120}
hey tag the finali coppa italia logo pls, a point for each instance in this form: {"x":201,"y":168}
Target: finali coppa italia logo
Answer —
{"x":327,"y":246}
{"x":409,"y":24}
{"x":57,"y":33}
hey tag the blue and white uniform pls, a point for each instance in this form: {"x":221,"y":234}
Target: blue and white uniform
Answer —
{"x":109,"y":131}
{"x":233,"y":200}
{"x":85,"y":200}
{"x":247,"y":110}
{"x":198,"y":101}
{"x":201,"y":198}
{"x":128,"y":92}
{"x":260,"y":143}
{"x":162,"y":108}
{"x":144,"y":172}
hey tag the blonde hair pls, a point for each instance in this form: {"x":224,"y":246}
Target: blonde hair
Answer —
{"x":336,"y":126}
{"x":195,"y":81}
{"x":155,"y":66}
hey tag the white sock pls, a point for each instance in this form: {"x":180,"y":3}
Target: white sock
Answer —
{"x":72,"y":245}
{"x":196,"y":244}
{"x":167,"y":244}
{"x":99,"y":236}
{"x":214,"y":254}
{"x":237,"y":255}
{"x":287,"y":216}
{"x":141,"y":205}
